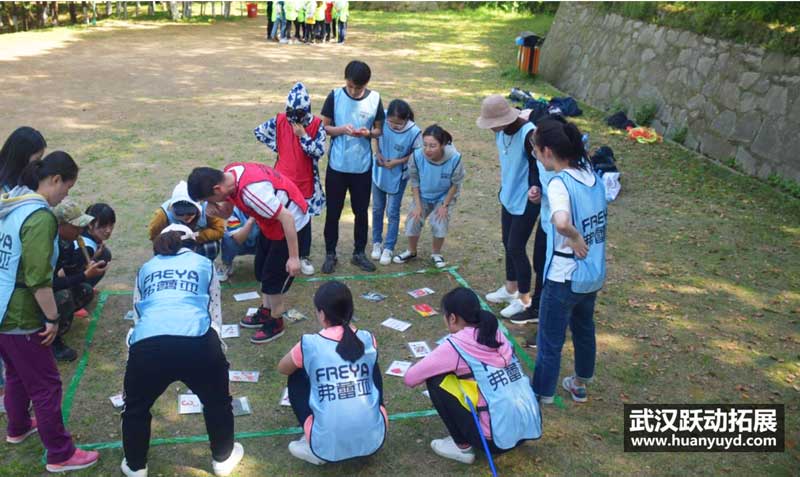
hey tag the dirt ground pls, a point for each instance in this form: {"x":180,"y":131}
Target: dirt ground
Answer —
{"x":702,"y":299}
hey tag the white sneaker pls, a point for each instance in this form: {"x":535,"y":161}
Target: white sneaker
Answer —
{"x":223,"y":469}
{"x":302,"y":451}
{"x":386,"y":256}
{"x":448,"y":449}
{"x":376,"y":251}
{"x":514,"y":308}
{"x":132,"y":473}
{"x":501,"y":295}
{"x":306,"y":267}
{"x":224,"y":271}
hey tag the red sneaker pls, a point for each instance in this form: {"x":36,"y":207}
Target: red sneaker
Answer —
{"x":81,"y":459}
{"x":82,"y":313}
{"x":21,"y":438}
{"x":271,"y":330}
{"x":259,"y":319}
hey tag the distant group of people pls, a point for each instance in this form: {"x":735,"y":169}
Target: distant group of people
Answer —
{"x":313,"y":21}
{"x":474,"y":378}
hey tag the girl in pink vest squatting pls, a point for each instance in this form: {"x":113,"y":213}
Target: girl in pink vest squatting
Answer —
{"x":298,"y":138}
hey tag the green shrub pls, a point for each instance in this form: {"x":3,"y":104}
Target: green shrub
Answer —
{"x":645,"y":112}
{"x":679,"y":135}
{"x":787,"y":185}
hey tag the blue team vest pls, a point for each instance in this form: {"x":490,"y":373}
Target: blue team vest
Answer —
{"x":11,"y":250}
{"x":513,"y":410}
{"x":514,"y":170}
{"x":434,"y":179}
{"x":174,"y":291}
{"x":352,"y":154}
{"x":348,"y":421}
{"x":394,"y":145}
{"x":544,"y":211}
{"x":88,"y":241}
{"x":254,"y":231}
{"x":202,"y":222}
{"x":590,"y":217}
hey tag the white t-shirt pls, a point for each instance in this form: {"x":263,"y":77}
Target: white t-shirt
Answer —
{"x":267,"y":202}
{"x":561,"y":268}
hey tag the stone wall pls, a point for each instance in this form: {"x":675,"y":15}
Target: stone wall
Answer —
{"x":736,"y":101}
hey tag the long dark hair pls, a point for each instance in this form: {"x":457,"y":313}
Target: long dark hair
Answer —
{"x":336,"y":301}
{"x":16,"y":153}
{"x":437,"y":132}
{"x":564,"y":139}
{"x":400,"y":109}
{"x":464,"y":303}
{"x":103,"y":214}
{"x":170,"y":243}
{"x":57,"y":163}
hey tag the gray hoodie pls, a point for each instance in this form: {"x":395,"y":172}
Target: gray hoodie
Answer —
{"x":17,"y":197}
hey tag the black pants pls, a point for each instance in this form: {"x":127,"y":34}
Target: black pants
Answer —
{"x":457,"y":419}
{"x":516,"y":230}
{"x":305,"y":245}
{"x":328,"y":32}
{"x":270,"y":261}
{"x":307,"y":32}
{"x":297,"y":24}
{"x":269,"y":18}
{"x":300,"y":390}
{"x":333,"y":28}
{"x":337,"y":184}
{"x":539,"y":257}
{"x":154,"y":364}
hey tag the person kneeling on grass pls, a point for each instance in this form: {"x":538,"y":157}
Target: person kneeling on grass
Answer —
{"x":476,"y":361}
{"x":436,"y":174}
{"x":335,"y":384}
{"x":181,"y":209}
{"x":241,"y":234}
{"x":176,"y":301}
{"x":281,"y":212}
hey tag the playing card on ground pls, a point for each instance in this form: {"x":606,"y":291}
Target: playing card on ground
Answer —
{"x":117,"y":400}
{"x":420,"y":292}
{"x":424,"y":309}
{"x":251,"y":311}
{"x":419,"y":349}
{"x":243,"y":376}
{"x":373,"y":296}
{"x":241,"y":406}
{"x":246,"y":296}
{"x":230,"y":331}
{"x":189,"y":404}
{"x":294,"y":315}
{"x":396,"y":324}
{"x":398,"y":368}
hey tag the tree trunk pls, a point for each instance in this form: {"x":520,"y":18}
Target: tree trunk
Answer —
{"x":53,"y":6}
{"x":187,"y":9}
{"x":125,"y":10}
{"x":174,"y":11}
{"x":136,"y":11}
{"x":41,"y":13}
{"x":202,"y":8}
{"x":151,"y":9}
{"x":85,"y":10}
{"x":226,"y":8}
{"x":108,"y":9}
{"x":94,"y":13}
{"x":73,"y":13}
{"x":14,"y":16}
{"x":213,"y":9}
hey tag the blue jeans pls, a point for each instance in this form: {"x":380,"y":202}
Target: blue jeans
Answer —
{"x":278,"y":28}
{"x":391,"y":204}
{"x":560,"y":307}
{"x":231,"y":249}
{"x":342,"y":31}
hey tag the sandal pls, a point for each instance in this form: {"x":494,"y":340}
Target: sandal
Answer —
{"x":438,"y":260}
{"x":404,"y":257}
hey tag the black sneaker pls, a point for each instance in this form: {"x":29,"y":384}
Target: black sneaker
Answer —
{"x":530,"y":315}
{"x":361,"y":261}
{"x":256,"y":320}
{"x":271,"y":330}
{"x":62,"y":352}
{"x":330,"y":263}
{"x":531,"y":341}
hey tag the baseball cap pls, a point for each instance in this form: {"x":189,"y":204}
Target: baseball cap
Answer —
{"x":68,"y":212}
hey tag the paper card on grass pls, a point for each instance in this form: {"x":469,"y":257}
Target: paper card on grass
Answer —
{"x":419,"y":349}
{"x":373,"y":297}
{"x":424,"y":309}
{"x":285,"y":398}
{"x":294,"y":315}
{"x":420,"y":292}
{"x":117,"y":401}
{"x":396,"y":324}
{"x":398,"y":368}
{"x":251,"y":311}
{"x":442,"y":339}
{"x":230,"y":331}
{"x":426,"y":393}
{"x":246,"y":296}
{"x":241,"y":406}
{"x":243,"y":376}
{"x":129,"y":315}
{"x":189,"y":404}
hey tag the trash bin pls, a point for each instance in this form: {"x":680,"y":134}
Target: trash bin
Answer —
{"x":528,"y":54}
{"x":252,"y":10}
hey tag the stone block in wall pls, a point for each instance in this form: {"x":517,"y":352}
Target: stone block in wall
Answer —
{"x":724,"y":123}
{"x":794,"y":111}
{"x":729,"y":95}
{"x":774,"y":103}
{"x":704,"y":65}
{"x":768,"y":142}
{"x":773,"y":62}
{"x":747,"y":125}
{"x":716,"y":147}
{"x":747,"y":103}
{"x":748,"y":79}
{"x":648,"y":55}
{"x":747,"y":162}
{"x":761,"y":87}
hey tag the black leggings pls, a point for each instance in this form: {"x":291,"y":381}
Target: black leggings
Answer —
{"x":539,"y":257}
{"x":154,"y":364}
{"x":336,"y":186}
{"x":297,"y":29}
{"x":458,"y":420}
{"x":516,"y":230}
{"x":300,"y":391}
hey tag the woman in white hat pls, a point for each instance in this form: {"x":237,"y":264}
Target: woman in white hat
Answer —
{"x":518,"y":173}
{"x":176,"y":301}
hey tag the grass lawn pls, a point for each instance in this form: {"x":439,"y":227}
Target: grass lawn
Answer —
{"x":701,"y":305}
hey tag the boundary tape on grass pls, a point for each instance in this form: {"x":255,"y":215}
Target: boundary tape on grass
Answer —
{"x":69,"y":395}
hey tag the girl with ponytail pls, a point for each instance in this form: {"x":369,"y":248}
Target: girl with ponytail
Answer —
{"x":335,"y":385}
{"x":476,"y":353}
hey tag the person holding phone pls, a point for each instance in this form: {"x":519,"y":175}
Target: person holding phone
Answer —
{"x":297,"y":136}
